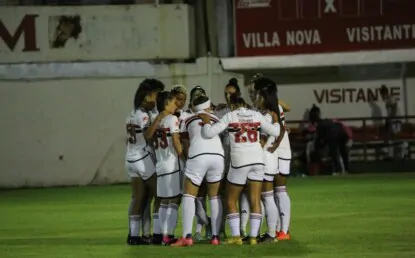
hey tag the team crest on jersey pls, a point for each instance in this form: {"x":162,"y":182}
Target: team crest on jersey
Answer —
{"x":247,"y":4}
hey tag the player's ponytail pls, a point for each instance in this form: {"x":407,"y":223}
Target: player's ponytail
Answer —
{"x":267,"y":89}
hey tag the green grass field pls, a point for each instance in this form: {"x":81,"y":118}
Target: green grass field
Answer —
{"x":354,"y":216}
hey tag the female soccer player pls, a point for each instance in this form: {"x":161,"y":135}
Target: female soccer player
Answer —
{"x":247,"y":163}
{"x":170,"y":157}
{"x":283,"y":151}
{"x":139,"y":164}
{"x":267,"y":102}
{"x":206,"y":159}
{"x":202,"y":218}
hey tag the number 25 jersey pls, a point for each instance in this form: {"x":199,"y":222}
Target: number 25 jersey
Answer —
{"x":244,"y":126}
{"x":136,"y":123}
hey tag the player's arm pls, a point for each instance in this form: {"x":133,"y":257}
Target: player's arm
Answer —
{"x":175,"y":135}
{"x":149,"y":133}
{"x":210,"y":131}
{"x":284,"y":106}
{"x":268,"y":128}
{"x":184,"y":138}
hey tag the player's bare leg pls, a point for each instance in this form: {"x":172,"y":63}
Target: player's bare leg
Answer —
{"x":233,"y":192}
{"x":188,"y":213}
{"x":284,"y":203}
{"x":152,"y":189}
{"x":271,"y":211}
{"x":216,"y":210}
{"x":138,"y":196}
{"x":254,"y":196}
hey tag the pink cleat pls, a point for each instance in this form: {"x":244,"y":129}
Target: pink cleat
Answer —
{"x":183,"y":242}
{"x":215,"y":240}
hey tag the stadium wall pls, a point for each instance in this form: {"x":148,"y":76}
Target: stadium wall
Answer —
{"x":61,"y":131}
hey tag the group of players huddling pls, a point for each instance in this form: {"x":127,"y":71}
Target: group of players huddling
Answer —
{"x":230,"y":152}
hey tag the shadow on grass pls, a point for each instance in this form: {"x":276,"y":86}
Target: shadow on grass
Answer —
{"x":200,"y":249}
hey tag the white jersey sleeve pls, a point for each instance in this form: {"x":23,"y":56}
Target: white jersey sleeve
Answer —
{"x":210,"y":131}
{"x":174,"y":125}
{"x":267,"y":127}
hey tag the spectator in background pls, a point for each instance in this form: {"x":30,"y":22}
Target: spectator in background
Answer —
{"x":336,"y":136}
{"x":392,"y":123}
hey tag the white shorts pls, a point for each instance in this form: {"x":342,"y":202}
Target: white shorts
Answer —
{"x":271,"y":166}
{"x":284,"y":166}
{"x":143,"y":168}
{"x":169,"y":185}
{"x":239,"y":175}
{"x":209,"y":165}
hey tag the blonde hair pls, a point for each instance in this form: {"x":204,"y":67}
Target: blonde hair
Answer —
{"x":179,"y":88}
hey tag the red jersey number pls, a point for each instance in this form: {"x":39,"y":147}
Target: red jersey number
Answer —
{"x":251,"y":130}
{"x":131,"y":131}
{"x":161,"y":140}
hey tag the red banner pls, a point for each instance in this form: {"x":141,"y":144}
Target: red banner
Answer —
{"x":286,"y":27}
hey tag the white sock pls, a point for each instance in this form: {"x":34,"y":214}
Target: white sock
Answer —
{"x":234,"y":223}
{"x":146,"y":220}
{"x":244,"y":210}
{"x":201,"y":210}
{"x":271,"y":212}
{"x":163,"y":219}
{"x":135,"y":225}
{"x":255,"y":221}
{"x":172,"y":218}
{"x":188,"y":213}
{"x":156,"y":224}
{"x":285,"y":207}
{"x":215,"y":214}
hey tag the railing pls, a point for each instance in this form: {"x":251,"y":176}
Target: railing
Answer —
{"x":370,"y":135}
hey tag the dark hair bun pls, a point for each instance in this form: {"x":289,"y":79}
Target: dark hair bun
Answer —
{"x":233,"y":82}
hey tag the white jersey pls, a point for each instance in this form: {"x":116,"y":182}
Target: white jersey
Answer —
{"x":136,"y":123}
{"x":225,"y":135}
{"x":198,"y":144}
{"x":243,"y":126}
{"x":183,"y":116}
{"x":167,"y":159}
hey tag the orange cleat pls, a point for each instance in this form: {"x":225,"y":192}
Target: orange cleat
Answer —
{"x":183,"y":242}
{"x":215,"y":240}
{"x":283,"y":236}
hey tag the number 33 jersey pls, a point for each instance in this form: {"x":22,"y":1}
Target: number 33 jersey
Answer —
{"x":167,"y":159}
{"x":136,"y":123}
{"x":244,"y":126}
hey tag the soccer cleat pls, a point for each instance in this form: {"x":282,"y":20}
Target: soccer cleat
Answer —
{"x":252,"y":241}
{"x":215,"y":240}
{"x":134,"y":240}
{"x":182,"y":242}
{"x":283,"y":236}
{"x":157,"y":239}
{"x":266,"y":238}
{"x":147,"y":240}
{"x":235,"y":240}
{"x":198,"y":237}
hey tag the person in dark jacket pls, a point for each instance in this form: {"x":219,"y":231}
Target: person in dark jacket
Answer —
{"x":336,"y":136}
